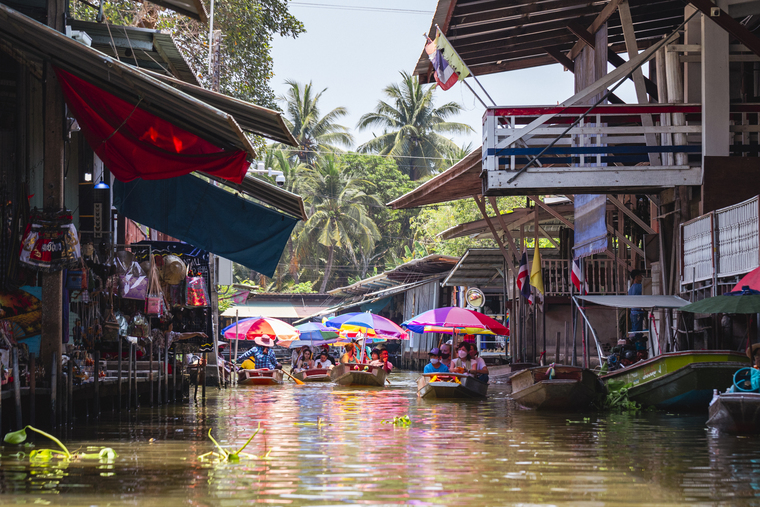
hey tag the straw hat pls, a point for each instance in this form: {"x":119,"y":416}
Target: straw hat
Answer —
{"x":174,"y":270}
{"x":264,"y":340}
{"x":751,"y":350}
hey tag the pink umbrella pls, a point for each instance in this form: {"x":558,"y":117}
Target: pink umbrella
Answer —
{"x":751,"y":280}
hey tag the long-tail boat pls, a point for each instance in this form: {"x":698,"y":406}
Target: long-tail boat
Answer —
{"x":358,"y":375}
{"x":735,"y":412}
{"x":262,"y":377}
{"x":679,"y":381}
{"x":313,"y":375}
{"x":556,"y":387}
{"x":450,"y":386}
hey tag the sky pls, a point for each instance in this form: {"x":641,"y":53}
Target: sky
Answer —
{"x":355,"y":48}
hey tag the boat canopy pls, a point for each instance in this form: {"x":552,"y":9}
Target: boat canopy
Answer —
{"x":650,"y":302}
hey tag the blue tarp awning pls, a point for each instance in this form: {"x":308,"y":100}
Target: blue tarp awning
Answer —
{"x":208,"y":217}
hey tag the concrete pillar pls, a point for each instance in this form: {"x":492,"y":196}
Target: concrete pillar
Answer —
{"x":715,"y":89}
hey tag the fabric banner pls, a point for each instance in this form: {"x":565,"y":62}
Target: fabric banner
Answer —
{"x":136,"y":144}
{"x":590,"y":225}
{"x":208,"y":217}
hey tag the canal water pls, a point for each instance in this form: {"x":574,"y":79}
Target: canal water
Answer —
{"x":329,"y":445}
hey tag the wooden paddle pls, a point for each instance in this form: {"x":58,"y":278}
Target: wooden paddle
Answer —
{"x":299,"y":382}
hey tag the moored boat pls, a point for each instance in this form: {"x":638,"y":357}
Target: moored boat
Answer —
{"x":262,"y":377}
{"x":680,"y":381}
{"x":735,"y":412}
{"x":556,"y":387}
{"x":450,"y":386}
{"x":358,"y":375}
{"x":313,"y":375}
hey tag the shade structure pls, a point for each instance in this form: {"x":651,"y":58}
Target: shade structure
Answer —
{"x":453,"y":319}
{"x":208,"y":217}
{"x":746,"y":301}
{"x":369,"y":324}
{"x":314,"y":334}
{"x":751,"y":280}
{"x":249,"y":329}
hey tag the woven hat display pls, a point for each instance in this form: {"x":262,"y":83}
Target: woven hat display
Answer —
{"x":174,"y":270}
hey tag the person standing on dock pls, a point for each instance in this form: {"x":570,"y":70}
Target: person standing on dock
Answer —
{"x":637,"y":314}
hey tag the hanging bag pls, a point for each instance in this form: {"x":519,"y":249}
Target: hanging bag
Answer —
{"x":154,"y":300}
{"x":111,"y":327}
{"x":196,"y":291}
{"x":76,"y":279}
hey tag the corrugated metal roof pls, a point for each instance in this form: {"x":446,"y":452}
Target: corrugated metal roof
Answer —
{"x":190,"y":8}
{"x":478,"y":267}
{"x":40,"y":43}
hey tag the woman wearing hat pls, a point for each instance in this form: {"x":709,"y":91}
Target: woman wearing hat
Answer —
{"x":262,"y":353}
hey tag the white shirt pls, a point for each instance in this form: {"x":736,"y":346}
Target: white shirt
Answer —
{"x":322,"y":365}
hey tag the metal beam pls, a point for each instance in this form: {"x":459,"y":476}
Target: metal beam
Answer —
{"x":630,"y":214}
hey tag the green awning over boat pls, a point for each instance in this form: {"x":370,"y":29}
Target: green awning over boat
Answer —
{"x":650,"y":302}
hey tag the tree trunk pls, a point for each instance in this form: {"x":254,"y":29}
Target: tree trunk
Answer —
{"x":328,"y":268}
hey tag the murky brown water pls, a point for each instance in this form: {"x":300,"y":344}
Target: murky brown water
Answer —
{"x":454,"y":453}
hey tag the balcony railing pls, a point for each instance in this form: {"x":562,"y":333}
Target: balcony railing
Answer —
{"x":602,"y":276}
{"x":721,"y":244}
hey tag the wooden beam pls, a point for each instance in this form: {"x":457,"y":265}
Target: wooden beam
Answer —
{"x":625,"y":240}
{"x":600,"y":20}
{"x":551,"y":211}
{"x":561,"y":58}
{"x":548,"y":236}
{"x":616,"y":60}
{"x":583,"y":35}
{"x":622,"y":207}
{"x":504,"y":227}
{"x":629,"y":35}
{"x":482,"y":207}
{"x":729,"y":24}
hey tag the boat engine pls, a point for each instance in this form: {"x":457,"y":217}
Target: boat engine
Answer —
{"x":624,"y":354}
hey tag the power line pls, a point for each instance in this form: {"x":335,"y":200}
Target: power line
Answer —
{"x":361,"y":8}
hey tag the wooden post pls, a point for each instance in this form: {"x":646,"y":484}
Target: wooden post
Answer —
{"x":129,"y":378}
{"x":174,"y":379}
{"x":69,"y":392}
{"x":166,"y":368}
{"x":150,"y":372}
{"x":160,"y":385}
{"x":203,"y":376}
{"x":96,"y":370}
{"x":567,"y":334}
{"x":118,"y":373}
{"x":54,"y":389}
{"x":556,"y":348}
{"x":17,"y":388}
{"x":32,"y":389}
{"x":137,"y":392}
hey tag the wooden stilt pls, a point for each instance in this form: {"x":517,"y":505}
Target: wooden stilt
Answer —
{"x":129,"y":377}
{"x":17,"y":388}
{"x":203,"y":377}
{"x":32,"y":389}
{"x":118,"y":373}
{"x":150,"y":372}
{"x":96,"y":370}
{"x":70,"y":392}
{"x":174,"y":380}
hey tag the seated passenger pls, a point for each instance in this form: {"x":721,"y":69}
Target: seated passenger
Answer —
{"x":375,"y":358}
{"x":306,"y":363}
{"x":323,"y":361}
{"x":384,"y":358}
{"x":461,"y":364}
{"x":478,"y":366}
{"x":350,"y":356}
{"x":435,"y":365}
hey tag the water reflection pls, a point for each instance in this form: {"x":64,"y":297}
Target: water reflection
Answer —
{"x":327,"y":445}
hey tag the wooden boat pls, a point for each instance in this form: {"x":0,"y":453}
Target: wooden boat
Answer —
{"x":450,"y":386}
{"x":313,"y":375}
{"x":680,"y":381}
{"x":262,"y":377}
{"x":735,"y":412}
{"x":570,"y":388}
{"x":358,"y":375}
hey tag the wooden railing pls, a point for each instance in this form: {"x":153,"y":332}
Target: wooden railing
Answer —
{"x":602,"y":276}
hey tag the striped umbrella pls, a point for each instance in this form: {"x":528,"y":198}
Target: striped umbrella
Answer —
{"x":452,"y":319}
{"x":249,"y":329}
{"x":314,"y":334}
{"x":368,"y":323}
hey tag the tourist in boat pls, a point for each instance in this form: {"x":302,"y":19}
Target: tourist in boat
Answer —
{"x":324,"y":361}
{"x":375,"y":358}
{"x":297,"y":356}
{"x":306,"y":362}
{"x":387,"y":365}
{"x":446,"y":354}
{"x":350,"y":356}
{"x":262,"y":354}
{"x":461,"y":364}
{"x":478,"y":366}
{"x":637,"y":314}
{"x":435,"y":365}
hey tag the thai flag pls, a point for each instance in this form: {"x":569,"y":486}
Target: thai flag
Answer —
{"x":576,"y":277}
{"x":522,"y":277}
{"x":449,"y":67}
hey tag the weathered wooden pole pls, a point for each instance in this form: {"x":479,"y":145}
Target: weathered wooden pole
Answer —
{"x":137,"y":392}
{"x":150,"y":372}
{"x":129,"y":378}
{"x":174,"y":379}
{"x":203,"y":392}
{"x":96,"y":370}
{"x":160,"y":377}
{"x":53,"y":389}
{"x":70,"y":392}
{"x":17,"y":388}
{"x":166,"y":368}
{"x":32,"y":389}
{"x":118,"y":373}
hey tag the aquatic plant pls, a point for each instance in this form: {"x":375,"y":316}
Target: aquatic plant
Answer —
{"x":403,"y":421}
{"x":617,"y":398}
{"x":18,"y":437}
{"x":230,"y":456}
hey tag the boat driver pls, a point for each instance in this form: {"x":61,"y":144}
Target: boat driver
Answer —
{"x":262,"y":353}
{"x":435,"y":365}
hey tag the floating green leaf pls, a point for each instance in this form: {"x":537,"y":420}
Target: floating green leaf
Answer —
{"x":15,"y":437}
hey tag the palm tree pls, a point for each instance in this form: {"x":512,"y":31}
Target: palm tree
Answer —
{"x":313,"y":133}
{"x":412,"y":127}
{"x":338,"y":208}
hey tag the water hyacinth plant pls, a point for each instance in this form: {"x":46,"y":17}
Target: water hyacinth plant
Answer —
{"x":229,"y":456}
{"x":18,"y":437}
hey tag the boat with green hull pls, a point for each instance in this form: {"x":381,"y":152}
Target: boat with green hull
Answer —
{"x":679,"y":381}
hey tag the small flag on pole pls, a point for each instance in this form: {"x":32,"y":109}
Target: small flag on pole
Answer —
{"x":576,"y":277}
{"x":536,"y":274}
{"x":449,"y":67}
{"x":522,"y":277}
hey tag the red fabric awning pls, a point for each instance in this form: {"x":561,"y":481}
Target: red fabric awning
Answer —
{"x":136,"y":144}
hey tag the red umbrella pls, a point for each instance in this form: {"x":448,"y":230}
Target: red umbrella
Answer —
{"x":751,"y":279}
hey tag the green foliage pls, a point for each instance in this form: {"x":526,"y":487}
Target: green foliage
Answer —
{"x":224,"y":454}
{"x":412,"y":127}
{"x":302,"y":288}
{"x":402,"y":421}
{"x":18,"y":437}
{"x":617,"y":398}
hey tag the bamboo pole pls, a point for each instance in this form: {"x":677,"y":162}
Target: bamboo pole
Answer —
{"x":234,"y":358}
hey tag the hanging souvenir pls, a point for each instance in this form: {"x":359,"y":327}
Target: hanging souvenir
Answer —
{"x":154,"y":299}
{"x":50,"y":242}
{"x":134,"y":282}
{"x":196,"y":291}
{"x":76,"y":279}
